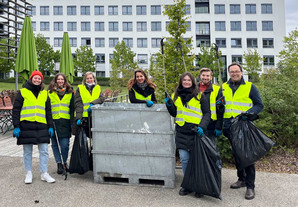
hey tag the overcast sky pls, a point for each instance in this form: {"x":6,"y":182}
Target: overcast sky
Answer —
{"x":291,"y":15}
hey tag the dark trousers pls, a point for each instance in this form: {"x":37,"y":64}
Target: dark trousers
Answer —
{"x":247,"y":174}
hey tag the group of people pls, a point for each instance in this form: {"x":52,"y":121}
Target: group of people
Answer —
{"x":37,"y":113}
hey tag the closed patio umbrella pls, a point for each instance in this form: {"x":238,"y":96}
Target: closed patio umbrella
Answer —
{"x":66,"y":61}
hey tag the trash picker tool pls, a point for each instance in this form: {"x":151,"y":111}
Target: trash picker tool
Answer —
{"x":221,"y":100}
{"x":59,"y":149}
{"x":180,"y":47}
{"x":163,"y":67}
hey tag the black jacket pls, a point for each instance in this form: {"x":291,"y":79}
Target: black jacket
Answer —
{"x":31,"y":132}
{"x":148,"y":91}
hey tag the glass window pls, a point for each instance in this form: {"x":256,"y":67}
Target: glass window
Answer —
{"x":142,"y":42}
{"x":141,"y":26}
{"x":202,"y":28}
{"x":252,"y":42}
{"x":187,"y":9}
{"x":219,"y":8}
{"x":266,"y":8}
{"x":44,"y":10}
{"x":71,"y":26}
{"x":73,"y":41}
{"x":113,"y":10}
{"x":128,"y":42}
{"x":85,"y":10}
{"x":236,"y":43}
{"x":202,"y":9}
{"x":234,"y":8}
{"x":268,"y":43}
{"x":126,"y":10}
{"x":188,"y":28}
{"x":47,"y":39}
{"x":221,"y":42}
{"x":99,"y":42}
{"x":155,"y":26}
{"x":155,"y":10}
{"x":99,"y":10}
{"x":113,"y":42}
{"x":71,"y":10}
{"x":86,"y":41}
{"x":58,"y":26}
{"x":267,"y":25}
{"x":250,"y":9}
{"x":235,"y":26}
{"x":100,"y":74}
{"x":99,"y":26}
{"x":58,"y":41}
{"x":251,"y":26}
{"x":141,"y":10}
{"x":32,"y":10}
{"x":113,"y":26}
{"x":44,"y":26}
{"x":127,"y":26}
{"x":220,"y":26}
{"x":268,"y":60}
{"x":34,"y":26}
{"x":237,"y":58}
{"x":203,"y":41}
{"x":155,"y":42}
{"x":85,"y":26}
{"x":142,"y":59}
{"x":58,"y":10}
{"x":100,"y":58}
{"x":111,"y":57}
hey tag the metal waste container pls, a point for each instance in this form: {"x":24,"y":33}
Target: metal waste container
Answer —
{"x":133,"y":145}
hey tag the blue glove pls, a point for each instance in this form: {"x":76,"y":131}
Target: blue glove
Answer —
{"x":200,"y":131}
{"x":167,"y":101}
{"x":16,"y":132}
{"x":217,"y":132}
{"x":70,"y":126}
{"x":79,"y":122}
{"x":243,"y":117}
{"x":89,"y":108}
{"x":51,"y":132}
{"x":149,"y":103}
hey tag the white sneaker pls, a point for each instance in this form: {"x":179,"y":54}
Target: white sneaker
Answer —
{"x":46,"y":177}
{"x":28,"y":179}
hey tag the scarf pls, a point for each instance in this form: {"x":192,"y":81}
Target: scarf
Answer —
{"x":185,"y":95}
{"x":142,"y":85}
{"x":60,"y":90}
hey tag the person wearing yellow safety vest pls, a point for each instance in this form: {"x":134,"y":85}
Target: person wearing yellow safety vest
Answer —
{"x":192,"y":112}
{"x":141,"y":89}
{"x":33,"y":124}
{"x":211,"y":92}
{"x":61,"y":95}
{"x":241,"y":97}
{"x":87,"y":94}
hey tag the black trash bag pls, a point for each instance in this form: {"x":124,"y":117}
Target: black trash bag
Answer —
{"x":203,"y":172}
{"x":248,"y":142}
{"x":79,"y":161}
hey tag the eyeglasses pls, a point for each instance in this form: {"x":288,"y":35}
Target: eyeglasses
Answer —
{"x":235,"y":72}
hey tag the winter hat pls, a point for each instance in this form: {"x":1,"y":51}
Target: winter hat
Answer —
{"x":36,"y":72}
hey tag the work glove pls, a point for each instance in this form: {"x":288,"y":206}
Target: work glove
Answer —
{"x":149,"y":103}
{"x":79,"y":122}
{"x":217,"y":132}
{"x":51,"y":132}
{"x":16,"y":132}
{"x":89,"y":108}
{"x":200,"y":131}
{"x":167,"y":101}
{"x":70,"y":126}
{"x":244,"y":117}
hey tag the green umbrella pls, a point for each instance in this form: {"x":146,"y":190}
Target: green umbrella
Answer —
{"x":26,"y":58}
{"x":66,"y":61}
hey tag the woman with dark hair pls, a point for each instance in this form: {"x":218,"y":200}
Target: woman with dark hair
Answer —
{"x":62,"y":104}
{"x":141,"y":89}
{"x":192,"y":112}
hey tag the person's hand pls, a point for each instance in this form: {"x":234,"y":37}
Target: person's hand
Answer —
{"x":200,"y":131}
{"x":167,"y":101}
{"x":149,"y":103}
{"x":51,"y":132}
{"x":89,"y":108}
{"x":79,"y":122}
{"x":217,"y":132}
{"x":70,"y":126}
{"x":16,"y":132}
{"x":244,"y":117}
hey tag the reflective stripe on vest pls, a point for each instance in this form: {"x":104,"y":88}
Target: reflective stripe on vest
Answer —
{"x":213,"y":96}
{"x":33,"y":109}
{"x":140,"y":96}
{"x":192,"y":113}
{"x":238,"y":102}
{"x":87,"y":98}
{"x":60,"y":108}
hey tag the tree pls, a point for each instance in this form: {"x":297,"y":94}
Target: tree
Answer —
{"x":46,"y":56}
{"x":252,"y":64}
{"x":84,"y":60}
{"x":6,"y":56}
{"x":123,"y":65}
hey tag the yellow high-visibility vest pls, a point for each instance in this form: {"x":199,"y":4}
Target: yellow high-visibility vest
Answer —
{"x":213,"y":96}
{"x":140,"y":96}
{"x":34,"y":109}
{"x":87,"y":98}
{"x":60,"y":108}
{"x":238,"y":102}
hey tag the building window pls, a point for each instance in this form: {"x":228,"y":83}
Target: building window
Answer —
{"x":219,"y":8}
{"x":58,"y":26}
{"x":221,"y":42}
{"x":252,"y":42}
{"x":126,"y":10}
{"x":187,"y":9}
{"x":85,"y":26}
{"x":202,"y":28}
{"x":58,"y":41}
{"x":86,"y":41}
{"x":58,"y":10}
{"x":142,"y":42}
{"x":202,"y":9}
{"x":155,"y":42}
{"x":203,"y":42}
{"x":234,"y":8}
{"x":113,"y":42}
{"x":141,"y":10}
{"x":111,"y":56}
{"x":155,"y":26}
{"x":142,"y":59}
{"x":268,"y":60}
{"x":99,"y":26}
{"x":99,"y":42}
{"x":128,"y":42}
{"x":44,"y":26}
{"x":268,"y":43}
{"x":71,"y":10}
{"x":34,"y":26}
{"x":99,"y":10}
{"x":113,"y":10}
{"x":127,"y":26}
{"x":73,"y":41}
{"x":156,"y":10}
{"x":251,"y":26}
{"x":48,"y":40}
{"x":44,"y":10}
{"x":267,"y":25}
{"x":266,"y":8}
{"x":141,"y":26}
{"x":100,"y":74}
{"x":113,"y":26}
{"x":237,"y":58}
{"x":236,"y":43}
{"x":31,"y":10}
{"x":235,"y":25}
{"x":100,"y":58}
{"x":71,"y":26}
{"x":220,"y":26}
{"x":250,"y":9}
{"x":188,"y":28}
{"x":85,"y":10}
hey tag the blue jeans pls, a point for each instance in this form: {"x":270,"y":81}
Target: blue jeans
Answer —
{"x":43,"y":156}
{"x":184,"y":157}
{"x":64,"y":144}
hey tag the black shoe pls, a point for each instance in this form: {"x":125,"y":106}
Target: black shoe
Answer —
{"x":250,"y":194}
{"x":59,"y":168}
{"x":199,"y":195}
{"x":184,"y":192}
{"x":238,"y":184}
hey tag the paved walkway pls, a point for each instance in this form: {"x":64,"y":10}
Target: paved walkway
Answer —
{"x":272,"y":189}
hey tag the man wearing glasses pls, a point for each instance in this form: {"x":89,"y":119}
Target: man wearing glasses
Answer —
{"x":241,"y":97}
